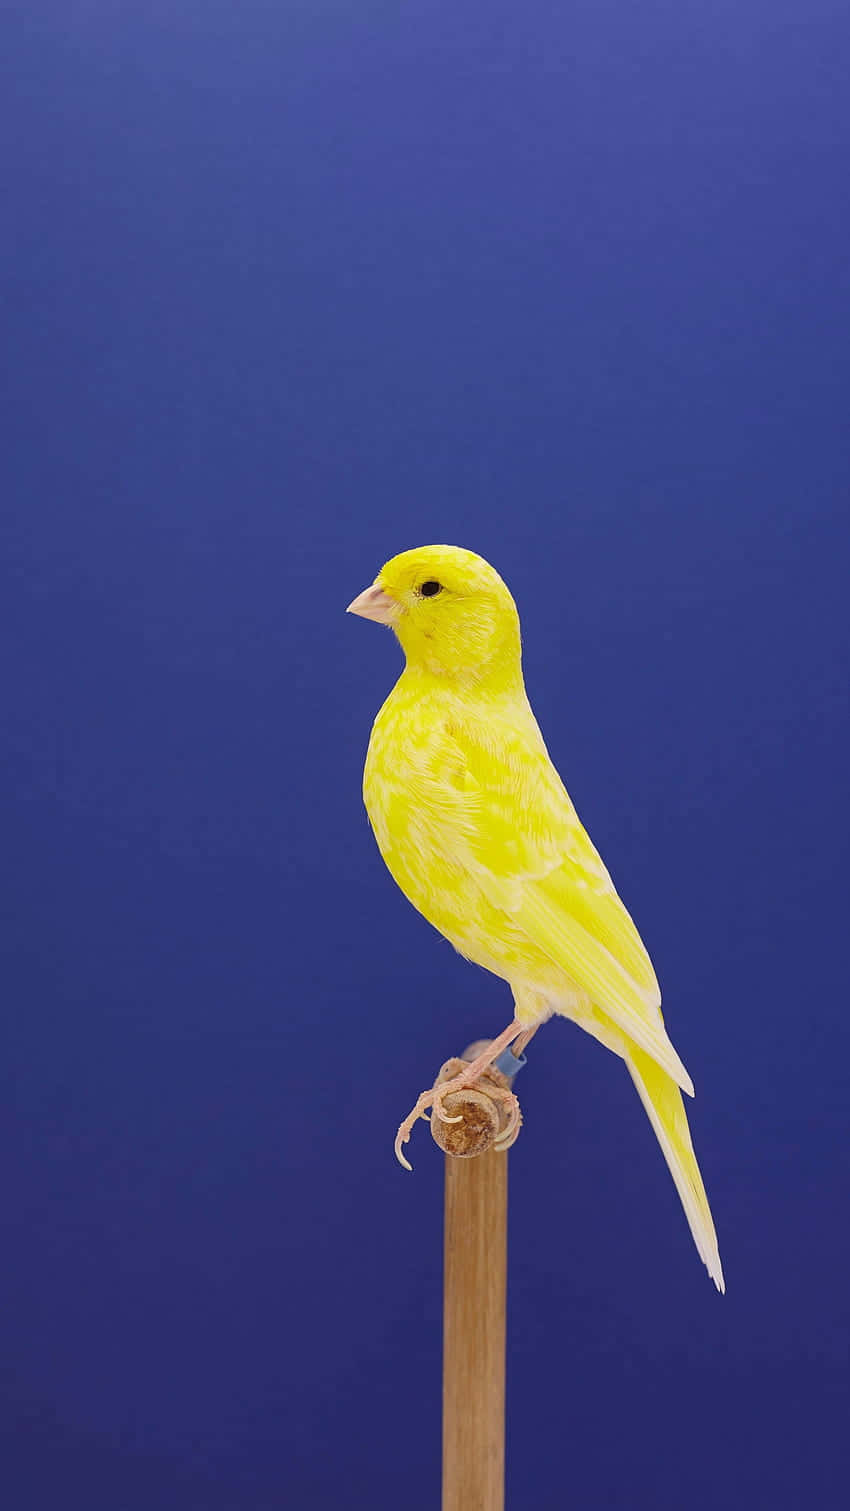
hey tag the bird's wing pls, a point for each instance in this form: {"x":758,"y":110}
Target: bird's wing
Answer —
{"x":514,"y":829}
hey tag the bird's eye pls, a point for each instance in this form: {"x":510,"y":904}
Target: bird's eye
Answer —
{"x":428,"y":589}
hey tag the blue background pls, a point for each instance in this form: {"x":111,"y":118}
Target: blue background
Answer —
{"x":290,"y":287}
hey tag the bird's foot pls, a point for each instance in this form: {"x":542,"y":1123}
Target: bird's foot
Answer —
{"x":405,"y":1129}
{"x":497,"y":1090}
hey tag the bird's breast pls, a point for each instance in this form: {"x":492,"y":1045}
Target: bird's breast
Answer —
{"x":411,"y":785}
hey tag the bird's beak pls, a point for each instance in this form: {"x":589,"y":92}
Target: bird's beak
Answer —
{"x":375,"y":604}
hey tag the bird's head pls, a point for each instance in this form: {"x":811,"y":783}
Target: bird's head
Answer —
{"x":451,"y":611}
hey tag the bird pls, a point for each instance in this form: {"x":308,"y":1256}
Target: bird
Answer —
{"x":477,"y":829}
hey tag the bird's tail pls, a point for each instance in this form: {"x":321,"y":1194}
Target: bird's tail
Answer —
{"x":663,"y":1101}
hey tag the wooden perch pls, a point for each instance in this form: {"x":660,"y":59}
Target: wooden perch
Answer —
{"x":475,"y":1280}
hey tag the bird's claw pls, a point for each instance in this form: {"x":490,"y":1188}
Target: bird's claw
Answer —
{"x":448,"y":1088}
{"x":441,"y":1113}
{"x":506,"y":1137}
{"x":406,"y":1128}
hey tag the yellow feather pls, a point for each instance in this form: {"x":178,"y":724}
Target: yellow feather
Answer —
{"x":478,"y":830}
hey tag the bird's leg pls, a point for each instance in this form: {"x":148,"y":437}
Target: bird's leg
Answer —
{"x":525,"y":1039}
{"x":509,"y":1132}
{"x":467,"y":1078}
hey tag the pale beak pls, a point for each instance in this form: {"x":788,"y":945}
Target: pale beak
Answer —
{"x":375,"y":604}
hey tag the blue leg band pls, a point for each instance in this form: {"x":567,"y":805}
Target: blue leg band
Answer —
{"x":508,"y":1063}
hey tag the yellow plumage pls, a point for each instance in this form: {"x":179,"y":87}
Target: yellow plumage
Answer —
{"x":479,"y":832}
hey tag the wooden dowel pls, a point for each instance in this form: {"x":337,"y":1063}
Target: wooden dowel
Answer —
{"x":475,"y":1290}
{"x":474,"y":1332}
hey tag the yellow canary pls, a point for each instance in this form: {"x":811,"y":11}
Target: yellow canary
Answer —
{"x":476,"y":827}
